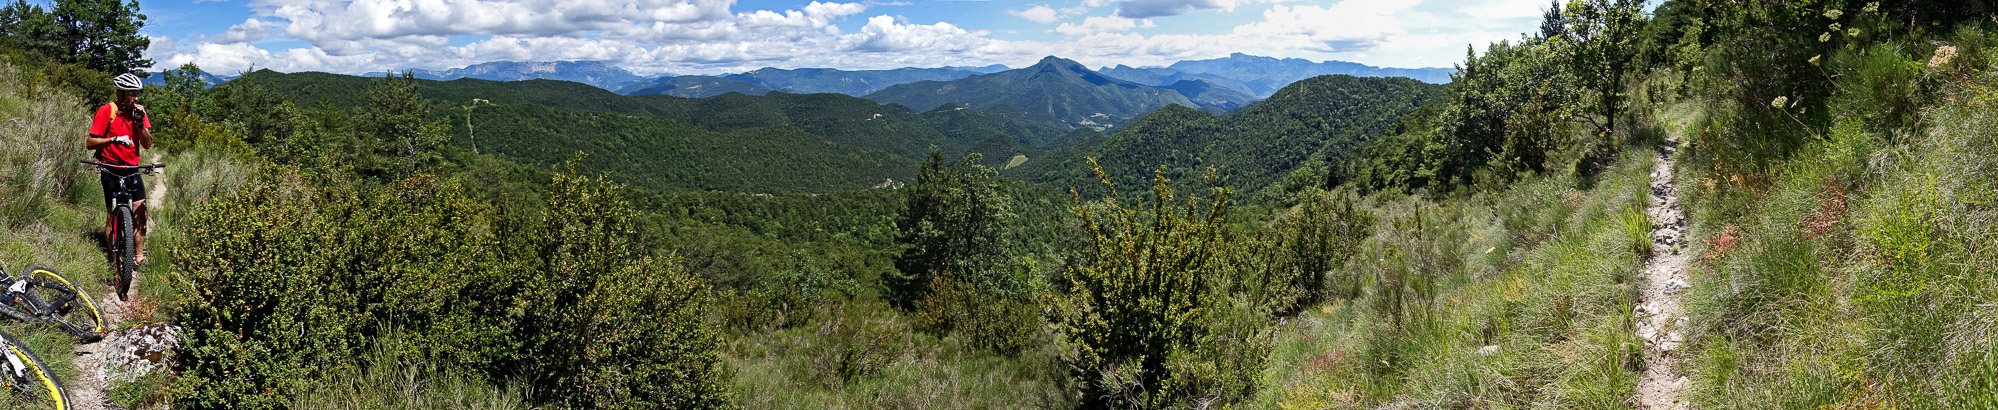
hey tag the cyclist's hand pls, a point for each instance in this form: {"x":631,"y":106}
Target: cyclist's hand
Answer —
{"x":122,"y":140}
{"x":139,"y":115}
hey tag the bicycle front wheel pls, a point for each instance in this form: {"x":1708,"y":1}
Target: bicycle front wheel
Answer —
{"x":127,"y":247}
{"x":27,"y":374}
{"x":72,"y":307}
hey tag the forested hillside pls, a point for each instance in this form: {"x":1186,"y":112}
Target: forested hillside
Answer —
{"x":728,"y":142}
{"x":692,"y":86}
{"x":1055,"y":90}
{"x":1210,"y":97}
{"x":852,"y":82}
{"x":1308,"y":124}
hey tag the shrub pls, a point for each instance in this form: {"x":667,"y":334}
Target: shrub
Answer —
{"x":958,"y":221}
{"x":1298,"y":259}
{"x":291,"y":281}
{"x":1141,"y":299}
{"x":984,"y":320}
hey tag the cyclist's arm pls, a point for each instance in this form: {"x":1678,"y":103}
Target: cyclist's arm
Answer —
{"x":95,"y":142}
{"x":99,"y":130}
{"x":144,"y":133}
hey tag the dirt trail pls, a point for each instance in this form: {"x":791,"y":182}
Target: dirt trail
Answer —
{"x":1659,"y":315}
{"x":89,"y":387}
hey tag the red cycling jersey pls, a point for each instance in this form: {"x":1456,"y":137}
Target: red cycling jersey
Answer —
{"x":109,"y":124}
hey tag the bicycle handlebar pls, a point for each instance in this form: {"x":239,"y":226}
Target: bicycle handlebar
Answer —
{"x":116,"y":166}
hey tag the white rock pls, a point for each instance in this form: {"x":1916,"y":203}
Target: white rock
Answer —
{"x":1488,"y":350}
{"x":1674,"y":286}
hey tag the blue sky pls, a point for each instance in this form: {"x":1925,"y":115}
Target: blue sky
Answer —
{"x":717,"y":36}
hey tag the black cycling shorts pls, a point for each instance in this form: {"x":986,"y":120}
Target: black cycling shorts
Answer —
{"x":134,"y":185}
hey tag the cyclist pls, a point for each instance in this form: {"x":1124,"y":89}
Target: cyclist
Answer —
{"x":120,"y":129}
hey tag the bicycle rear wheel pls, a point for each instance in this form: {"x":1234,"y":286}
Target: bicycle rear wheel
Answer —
{"x":75,"y":312}
{"x":26,"y":374}
{"x":127,"y":248}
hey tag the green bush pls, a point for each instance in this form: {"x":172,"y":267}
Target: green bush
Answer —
{"x":291,"y":281}
{"x":958,"y":221}
{"x":984,"y":320}
{"x":1299,"y":258}
{"x":1142,"y":298}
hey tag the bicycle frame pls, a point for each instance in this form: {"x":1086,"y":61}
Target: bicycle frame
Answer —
{"x":121,"y":209}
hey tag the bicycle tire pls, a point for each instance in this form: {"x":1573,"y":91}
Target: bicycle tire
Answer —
{"x":35,"y":376}
{"x":79,"y":315}
{"x":127,"y":247}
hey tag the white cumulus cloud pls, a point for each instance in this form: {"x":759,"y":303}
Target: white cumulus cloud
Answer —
{"x":884,"y":34}
{"x":1038,"y":14}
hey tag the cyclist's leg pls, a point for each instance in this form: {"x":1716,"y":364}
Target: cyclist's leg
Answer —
{"x":110,"y":184}
{"x":110,"y":226}
{"x":139,"y":228}
{"x":138,"y":192}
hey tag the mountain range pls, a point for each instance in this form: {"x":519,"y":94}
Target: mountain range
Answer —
{"x":595,"y":73}
{"x":207,"y":78}
{"x":1255,"y":76}
{"x":1263,"y":76}
{"x":855,"y":83}
{"x":1055,"y":91}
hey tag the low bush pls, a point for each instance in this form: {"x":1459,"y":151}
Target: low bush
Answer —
{"x":289,"y":280}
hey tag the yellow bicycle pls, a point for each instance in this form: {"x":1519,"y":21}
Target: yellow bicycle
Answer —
{"x":45,"y":297}
{"x":28,"y":377}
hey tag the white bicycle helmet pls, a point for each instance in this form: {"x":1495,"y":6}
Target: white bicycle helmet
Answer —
{"x":127,"y":82}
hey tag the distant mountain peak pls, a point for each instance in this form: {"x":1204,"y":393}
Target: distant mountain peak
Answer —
{"x":1052,"y":61}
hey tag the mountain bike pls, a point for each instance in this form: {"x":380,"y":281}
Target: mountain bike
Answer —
{"x":123,"y":244}
{"x":45,"y":297}
{"x":28,"y":377}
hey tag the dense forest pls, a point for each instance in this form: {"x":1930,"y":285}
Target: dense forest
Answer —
{"x":1347,"y":242}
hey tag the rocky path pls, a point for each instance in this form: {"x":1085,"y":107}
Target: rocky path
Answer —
{"x":1659,"y":313}
{"x":97,"y":362}
{"x":88,"y":388}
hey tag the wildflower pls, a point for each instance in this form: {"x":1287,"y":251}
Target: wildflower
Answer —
{"x":1824,"y":37}
{"x":1815,"y":58}
{"x":1779,"y":102}
{"x":1942,"y":57}
{"x":1836,"y":27}
{"x":1871,"y":7}
{"x":1852,"y":32}
{"x":1834,"y":14}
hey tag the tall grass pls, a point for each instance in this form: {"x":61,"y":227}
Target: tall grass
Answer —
{"x":863,"y":355}
{"x":393,"y":380}
{"x":1514,"y":298}
{"x":1864,"y":268}
{"x":43,"y":133}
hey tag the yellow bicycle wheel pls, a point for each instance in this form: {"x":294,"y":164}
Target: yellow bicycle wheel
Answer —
{"x":78,"y":314}
{"x":26,"y":374}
